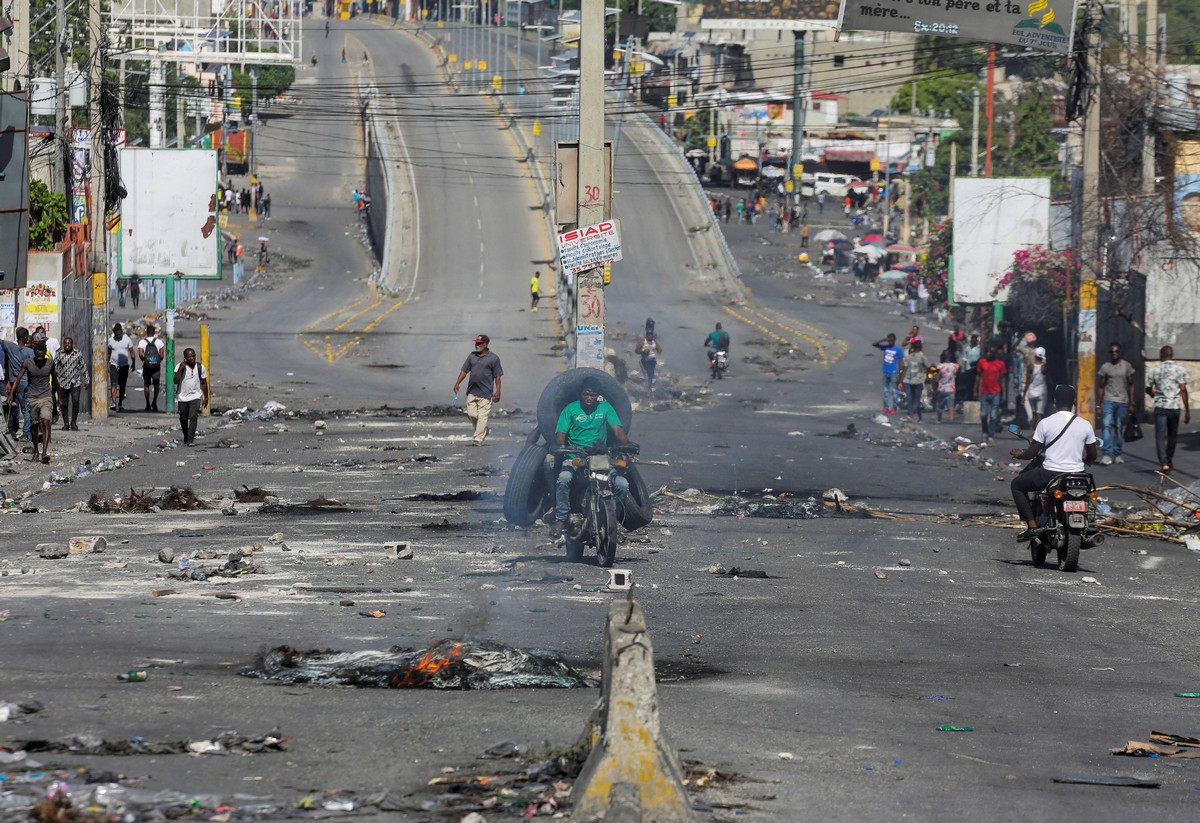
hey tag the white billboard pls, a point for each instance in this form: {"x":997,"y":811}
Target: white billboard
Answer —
{"x":993,"y":218}
{"x":169,"y":220}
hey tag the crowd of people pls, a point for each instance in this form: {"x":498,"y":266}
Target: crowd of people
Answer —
{"x":240,"y":201}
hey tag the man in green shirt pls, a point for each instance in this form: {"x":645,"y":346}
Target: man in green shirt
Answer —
{"x":585,"y":424}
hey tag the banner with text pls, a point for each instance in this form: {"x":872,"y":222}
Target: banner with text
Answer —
{"x":1048,"y":25}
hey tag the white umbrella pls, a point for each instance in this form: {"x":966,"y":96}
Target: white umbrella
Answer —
{"x":826,"y":235}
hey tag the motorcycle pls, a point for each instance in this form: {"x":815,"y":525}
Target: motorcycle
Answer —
{"x":593,"y":519}
{"x":1063,"y":505}
{"x":719,"y":364}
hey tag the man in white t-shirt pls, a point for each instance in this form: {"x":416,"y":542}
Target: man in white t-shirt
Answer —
{"x":1067,"y":441}
{"x":122,"y":356}
{"x":191,"y":393}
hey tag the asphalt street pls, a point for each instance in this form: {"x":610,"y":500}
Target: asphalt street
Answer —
{"x":817,"y":689}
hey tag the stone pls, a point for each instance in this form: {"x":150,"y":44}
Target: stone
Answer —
{"x":166,"y":555}
{"x":276,"y":538}
{"x":717,"y":568}
{"x":905,"y":562}
{"x":229,"y":511}
{"x":87,"y":545}
{"x":400,"y":549}
{"x":53,"y":551}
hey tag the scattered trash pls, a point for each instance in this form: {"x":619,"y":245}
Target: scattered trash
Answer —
{"x":620,"y":580}
{"x":400,"y":549}
{"x":1187,"y":694}
{"x":445,"y":665}
{"x":375,"y":613}
{"x":956,"y":728}
{"x":133,"y":677}
{"x":786,"y":756}
{"x":227,"y":742}
{"x":1089,"y":580}
{"x":1162,"y":745}
{"x":881,"y":574}
{"x":173,"y":499}
{"x":250,"y":495}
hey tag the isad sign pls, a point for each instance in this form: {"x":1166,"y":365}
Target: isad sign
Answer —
{"x":588,"y":247}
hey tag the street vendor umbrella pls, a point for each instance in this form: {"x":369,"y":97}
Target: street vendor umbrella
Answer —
{"x":894,"y":274}
{"x":873,"y":238}
{"x":901,"y":248}
{"x":827,"y":235}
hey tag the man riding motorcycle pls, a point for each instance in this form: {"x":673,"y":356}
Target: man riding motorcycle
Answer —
{"x":717,"y":340}
{"x":584,"y":424}
{"x":1065,"y":442}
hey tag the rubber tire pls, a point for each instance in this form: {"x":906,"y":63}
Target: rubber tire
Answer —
{"x":1037,"y":551}
{"x":606,"y":530}
{"x":525,"y":494}
{"x":1068,"y":556}
{"x":564,"y":390}
{"x":638,"y":512}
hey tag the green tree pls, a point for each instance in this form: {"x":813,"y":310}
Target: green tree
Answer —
{"x":47,"y":217}
{"x":1030,"y":150}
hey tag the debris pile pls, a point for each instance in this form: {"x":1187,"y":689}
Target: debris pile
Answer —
{"x":173,"y":499}
{"x":1163,"y":745}
{"x":447,"y":664}
{"x":225,"y":743}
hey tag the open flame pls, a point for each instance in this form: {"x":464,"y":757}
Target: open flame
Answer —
{"x":428,"y":666}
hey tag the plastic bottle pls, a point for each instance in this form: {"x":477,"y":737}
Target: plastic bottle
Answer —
{"x":454,"y":402}
{"x":137,"y":676}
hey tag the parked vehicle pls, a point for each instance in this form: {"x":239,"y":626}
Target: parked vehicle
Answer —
{"x":833,"y":185}
{"x":1062,"y":506}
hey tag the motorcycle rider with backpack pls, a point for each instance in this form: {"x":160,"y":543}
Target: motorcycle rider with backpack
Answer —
{"x":1061,"y":444}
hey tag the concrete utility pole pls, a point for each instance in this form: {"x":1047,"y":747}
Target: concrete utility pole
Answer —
{"x":99,"y":261}
{"x":158,"y":104}
{"x":797,"y":107}
{"x":61,"y":124}
{"x":254,"y":122}
{"x":975,"y":132}
{"x":1150,"y":60}
{"x":180,"y":113}
{"x":1090,"y":239}
{"x":592,"y":181}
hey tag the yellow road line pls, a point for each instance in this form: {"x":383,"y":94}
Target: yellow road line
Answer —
{"x":837,"y":343}
{"x":377,"y":320}
{"x":822,"y":341}
{"x":356,"y":315}
{"x":335,"y":313}
{"x":811,"y":340}
{"x":758,"y":326}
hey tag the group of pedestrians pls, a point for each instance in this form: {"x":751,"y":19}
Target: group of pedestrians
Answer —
{"x":41,"y":376}
{"x":239,"y":201}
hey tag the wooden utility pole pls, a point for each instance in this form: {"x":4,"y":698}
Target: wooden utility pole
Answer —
{"x":592,"y":182}
{"x":1089,"y":239}
{"x":1154,"y":77}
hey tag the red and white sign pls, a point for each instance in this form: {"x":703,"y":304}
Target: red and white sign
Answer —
{"x":589,"y":247}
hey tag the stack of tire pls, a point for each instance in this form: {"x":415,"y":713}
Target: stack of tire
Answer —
{"x":528,"y":495}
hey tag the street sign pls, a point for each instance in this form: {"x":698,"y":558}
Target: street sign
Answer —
{"x":590,"y":246}
{"x":497,"y":81}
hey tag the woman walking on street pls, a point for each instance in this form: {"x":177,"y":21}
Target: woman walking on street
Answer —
{"x":915,"y":366}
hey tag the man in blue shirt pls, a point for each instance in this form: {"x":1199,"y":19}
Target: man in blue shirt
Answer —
{"x":584,"y":424}
{"x":893,"y":359}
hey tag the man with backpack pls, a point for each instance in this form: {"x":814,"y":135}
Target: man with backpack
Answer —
{"x":152,"y":352}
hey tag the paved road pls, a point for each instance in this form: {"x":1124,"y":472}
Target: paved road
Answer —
{"x":847,"y":672}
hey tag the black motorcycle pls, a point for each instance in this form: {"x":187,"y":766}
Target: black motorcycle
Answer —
{"x":1063,"y":506}
{"x":594,"y":508}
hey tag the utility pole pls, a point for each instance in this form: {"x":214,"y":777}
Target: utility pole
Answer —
{"x":797,"y":108}
{"x":180,"y":113}
{"x":61,"y":130}
{"x":158,"y":104}
{"x":254,"y":122}
{"x":991,"y":108}
{"x":99,"y":261}
{"x":592,"y":181}
{"x":1154,"y":78}
{"x":1089,"y":239}
{"x":975,"y":132}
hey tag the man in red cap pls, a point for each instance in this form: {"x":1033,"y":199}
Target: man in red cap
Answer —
{"x":483,"y":386}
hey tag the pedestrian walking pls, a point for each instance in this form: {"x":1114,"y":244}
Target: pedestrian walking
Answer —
{"x":535,"y":291}
{"x":649,"y":349}
{"x":135,"y":290}
{"x":1116,"y":401}
{"x":915,"y":366}
{"x":968,"y":358}
{"x":805,"y":233}
{"x":152,"y":352}
{"x":947,"y":378}
{"x":893,"y":359}
{"x":1166,"y":382}
{"x":1034,"y":392}
{"x":70,"y":376}
{"x":728,"y":210}
{"x":191,"y":394}
{"x":266,"y":202}
{"x":37,"y":371}
{"x":820,"y":202}
{"x":483,"y":386}
{"x":990,"y":384}
{"x":343,"y":55}
{"x":121,"y":287}
{"x":122,"y":354}
{"x":15,"y":355}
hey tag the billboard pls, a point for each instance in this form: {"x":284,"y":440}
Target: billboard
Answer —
{"x":14,"y":189}
{"x":798,"y":15}
{"x":1187,"y":186}
{"x":1048,"y":25}
{"x":169,"y":220}
{"x":993,"y":218}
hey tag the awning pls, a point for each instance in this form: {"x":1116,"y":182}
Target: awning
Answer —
{"x":850,"y":155}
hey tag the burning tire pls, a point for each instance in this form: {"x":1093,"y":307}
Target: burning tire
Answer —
{"x":526,"y":495}
{"x":638,"y":510}
{"x":564,"y":389}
